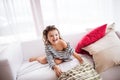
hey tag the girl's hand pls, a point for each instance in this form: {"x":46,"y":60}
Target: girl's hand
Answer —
{"x":57,"y":70}
{"x":81,"y":61}
{"x":78,"y":57}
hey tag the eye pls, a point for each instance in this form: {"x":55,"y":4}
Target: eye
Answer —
{"x":51,"y":35}
{"x":56,"y":34}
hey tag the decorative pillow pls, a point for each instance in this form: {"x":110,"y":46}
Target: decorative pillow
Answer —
{"x":91,"y":37}
{"x":105,"y":52}
{"x":110,"y":27}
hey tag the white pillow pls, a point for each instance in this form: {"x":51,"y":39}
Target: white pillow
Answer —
{"x":105,"y":51}
{"x":110,"y":27}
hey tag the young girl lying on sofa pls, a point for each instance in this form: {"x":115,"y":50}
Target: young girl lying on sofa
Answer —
{"x":57,"y":50}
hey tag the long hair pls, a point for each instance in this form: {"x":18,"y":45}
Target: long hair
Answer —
{"x":45,"y":33}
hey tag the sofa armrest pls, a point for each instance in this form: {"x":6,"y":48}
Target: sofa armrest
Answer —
{"x":6,"y":73}
{"x":10,"y":61}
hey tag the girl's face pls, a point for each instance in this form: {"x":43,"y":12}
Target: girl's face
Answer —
{"x":53,"y":36}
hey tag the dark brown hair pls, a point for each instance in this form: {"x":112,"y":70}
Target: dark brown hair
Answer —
{"x":45,"y":33}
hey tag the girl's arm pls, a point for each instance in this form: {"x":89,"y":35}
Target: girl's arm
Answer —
{"x":57,"y":70}
{"x":52,"y":63}
{"x":71,"y":50}
{"x":77,"y":56}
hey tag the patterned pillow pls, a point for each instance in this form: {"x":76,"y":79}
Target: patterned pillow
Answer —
{"x":91,"y":37}
{"x":81,"y":72}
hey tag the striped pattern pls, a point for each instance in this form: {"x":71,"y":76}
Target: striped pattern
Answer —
{"x":65,"y":54}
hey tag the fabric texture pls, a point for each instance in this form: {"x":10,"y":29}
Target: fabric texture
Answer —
{"x":105,"y":52}
{"x":91,"y":37}
{"x":81,"y":72}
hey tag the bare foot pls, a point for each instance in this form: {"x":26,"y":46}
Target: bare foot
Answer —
{"x":32,"y":59}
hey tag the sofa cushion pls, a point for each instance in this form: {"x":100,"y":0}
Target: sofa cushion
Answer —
{"x":91,"y":37}
{"x":36,"y":71}
{"x":105,"y":51}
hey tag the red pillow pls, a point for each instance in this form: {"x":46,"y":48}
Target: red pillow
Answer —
{"x":91,"y":37}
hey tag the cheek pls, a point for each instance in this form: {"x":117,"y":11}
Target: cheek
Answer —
{"x":59,"y":37}
{"x":49,"y":38}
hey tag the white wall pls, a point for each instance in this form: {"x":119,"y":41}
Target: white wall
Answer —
{"x":76,"y":15}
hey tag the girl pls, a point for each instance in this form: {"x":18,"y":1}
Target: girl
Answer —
{"x":57,"y":50}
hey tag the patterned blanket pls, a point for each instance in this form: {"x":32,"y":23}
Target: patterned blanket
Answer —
{"x":83,"y":71}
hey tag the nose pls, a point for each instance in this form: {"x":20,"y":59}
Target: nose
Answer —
{"x":54,"y":37}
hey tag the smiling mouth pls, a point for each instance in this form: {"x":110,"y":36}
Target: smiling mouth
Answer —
{"x":55,"y":40}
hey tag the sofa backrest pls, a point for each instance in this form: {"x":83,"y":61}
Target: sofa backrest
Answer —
{"x":32,"y":48}
{"x":36,"y":47}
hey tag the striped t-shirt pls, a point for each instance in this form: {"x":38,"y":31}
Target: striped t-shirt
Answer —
{"x":51,"y":53}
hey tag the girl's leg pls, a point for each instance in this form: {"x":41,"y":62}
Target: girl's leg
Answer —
{"x":42,"y":60}
{"x":58,"y":61}
{"x":33,"y":59}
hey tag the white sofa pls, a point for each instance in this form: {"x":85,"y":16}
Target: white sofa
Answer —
{"x":14,"y":63}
